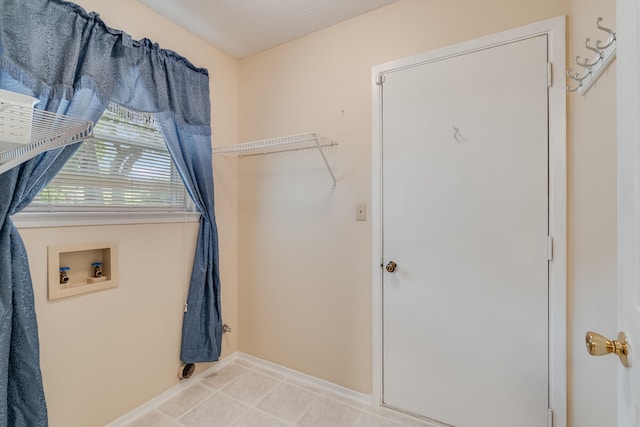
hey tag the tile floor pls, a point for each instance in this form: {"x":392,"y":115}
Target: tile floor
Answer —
{"x":245,"y":394}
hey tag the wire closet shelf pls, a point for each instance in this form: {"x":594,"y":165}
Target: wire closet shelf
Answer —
{"x":26,"y":132}
{"x":283,"y":144}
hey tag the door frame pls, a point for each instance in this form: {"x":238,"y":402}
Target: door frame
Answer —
{"x":554,"y":28}
{"x":628,"y":187}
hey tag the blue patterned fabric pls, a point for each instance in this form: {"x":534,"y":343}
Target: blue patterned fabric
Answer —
{"x":202,"y":325}
{"x":22,"y":401}
{"x":76,"y":65}
{"x":53,"y":45}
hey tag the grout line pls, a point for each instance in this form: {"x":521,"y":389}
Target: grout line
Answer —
{"x":359,"y":416}
{"x":307,"y":410}
{"x":223,"y":385}
{"x":255,"y":407}
{"x":285,"y":381}
{"x":193,"y":407}
{"x":210,"y":397}
{"x":246,"y":403}
{"x":270,"y":414}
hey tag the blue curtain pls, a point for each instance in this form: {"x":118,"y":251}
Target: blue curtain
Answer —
{"x":202,"y":325}
{"x":22,"y":401}
{"x":76,"y":65}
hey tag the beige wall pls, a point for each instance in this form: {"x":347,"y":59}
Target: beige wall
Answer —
{"x":105,"y":353}
{"x":304,"y":266}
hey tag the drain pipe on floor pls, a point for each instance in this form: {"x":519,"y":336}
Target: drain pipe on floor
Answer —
{"x":186,"y":370}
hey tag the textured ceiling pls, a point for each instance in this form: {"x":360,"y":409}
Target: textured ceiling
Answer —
{"x":243,"y":27}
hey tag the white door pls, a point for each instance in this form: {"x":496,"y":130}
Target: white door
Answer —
{"x":465,"y":218}
{"x":628,"y":110}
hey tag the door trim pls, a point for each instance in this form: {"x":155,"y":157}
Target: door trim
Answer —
{"x":628,"y":188}
{"x":554,"y":28}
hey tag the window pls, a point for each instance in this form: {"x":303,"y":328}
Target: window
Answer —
{"x":126,"y":167}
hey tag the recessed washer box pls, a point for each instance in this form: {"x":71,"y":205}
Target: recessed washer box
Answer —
{"x":79,"y":262}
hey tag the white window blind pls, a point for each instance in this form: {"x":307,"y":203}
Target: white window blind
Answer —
{"x":126,"y":167}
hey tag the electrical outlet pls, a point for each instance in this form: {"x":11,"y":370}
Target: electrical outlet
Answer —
{"x":361,"y":211}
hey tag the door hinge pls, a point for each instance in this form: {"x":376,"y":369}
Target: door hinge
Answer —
{"x":549,"y":248}
{"x":549,"y":74}
{"x":380,"y":79}
{"x":549,"y":417}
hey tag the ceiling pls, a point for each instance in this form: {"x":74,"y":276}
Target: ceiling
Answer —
{"x":241,"y":28}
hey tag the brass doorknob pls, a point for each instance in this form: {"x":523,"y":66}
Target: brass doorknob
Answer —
{"x":597,"y":345}
{"x":391,"y":266}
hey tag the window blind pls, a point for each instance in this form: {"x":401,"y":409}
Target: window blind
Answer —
{"x":126,"y":167}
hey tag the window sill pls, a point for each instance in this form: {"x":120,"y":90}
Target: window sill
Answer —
{"x":80,"y":219}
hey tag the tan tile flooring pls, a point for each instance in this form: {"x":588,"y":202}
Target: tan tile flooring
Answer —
{"x":246,"y":394}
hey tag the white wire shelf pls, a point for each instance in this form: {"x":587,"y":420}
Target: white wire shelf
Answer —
{"x":26,"y":132}
{"x":305,"y":141}
{"x":276,"y":145}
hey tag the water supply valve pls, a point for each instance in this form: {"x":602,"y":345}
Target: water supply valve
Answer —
{"x":64,"y":277}
{"x":97,"y":269}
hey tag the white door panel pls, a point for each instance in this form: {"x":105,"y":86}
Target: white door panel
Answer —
{"x":465,"y":216}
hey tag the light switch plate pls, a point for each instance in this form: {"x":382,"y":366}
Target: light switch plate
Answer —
{"x":361,"y":211}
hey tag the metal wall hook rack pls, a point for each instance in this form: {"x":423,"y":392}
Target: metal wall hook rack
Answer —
{"x":605,"y":54}
{"x":305,"y":141}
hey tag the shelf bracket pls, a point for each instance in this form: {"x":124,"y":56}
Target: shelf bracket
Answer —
{"x":333,"y":177}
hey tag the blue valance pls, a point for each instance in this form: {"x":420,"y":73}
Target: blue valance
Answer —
{"x":53,"y":45}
